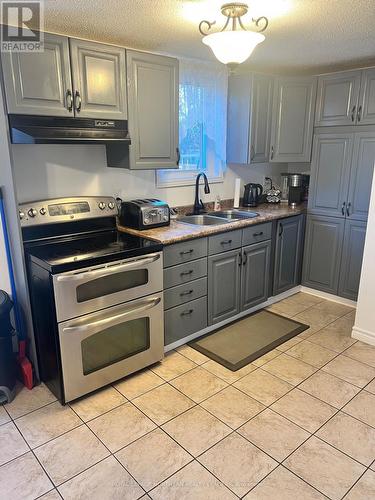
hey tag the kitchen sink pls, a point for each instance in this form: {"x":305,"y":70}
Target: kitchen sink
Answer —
{"x":203,"y":220}
{"x":233,"y":214}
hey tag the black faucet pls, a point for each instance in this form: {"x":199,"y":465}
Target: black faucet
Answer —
{"x":198,"y":204}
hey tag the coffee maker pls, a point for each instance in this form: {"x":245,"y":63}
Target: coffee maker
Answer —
{"x":295,"y":188}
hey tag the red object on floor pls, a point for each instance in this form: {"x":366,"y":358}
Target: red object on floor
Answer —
{"x":26,"y":368}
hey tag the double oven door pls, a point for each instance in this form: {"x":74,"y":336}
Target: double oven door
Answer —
{"x":110,"y":321}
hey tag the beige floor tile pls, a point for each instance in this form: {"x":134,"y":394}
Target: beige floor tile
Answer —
{"x":263,"y":386}
{"x":196,"y":430}
{"x":4,"y":417}
{"x":163,"y":403}
{"x":281,"y":484}
{"x":289,"y":307}
{"x":351,"y":437}
{"x":198,"y":384}
{"x":364,"y":489}
{"x":312,"y":354}
{"x":350,"y":370}
{"x":325,"y":468}
{"x":70,"y":454}
{"x":289,"y":369}
{"x":351,"y":316}
{"x":121,"y":426}
{"x":362,"y":407}
{"x":139,"y":383}
{"x":24,"y":479}
{"x":371,"y":387}
{"x":173,"y":365}
{"x":330,"y":307}
{"x":105,"y":480}
{"x":51,"y":495}
{"x":153,"y":458}
{"x":27,"y":401}
{"x":266,"y":357}
{"x":98,"y":403}
{"x":304,"y":410}
{"x":193,"y":482}
{"x":244,"y":465}
{"x":232,"y":407}
{"x":47,"y":423}
{"x":314,"y":318}
{"x":274,"y":434}
{"x":289,"y":343}
{"x":225,"y":374}
{"x":12,"y":444}
{"x":192,"y":354}
{"x":306,"y":299}
{"x":362,"y":352}
{"x":330,"y":389}
{"x":336,"y":336}
{"x":306,"y":334}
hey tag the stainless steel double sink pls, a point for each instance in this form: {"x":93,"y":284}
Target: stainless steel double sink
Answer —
{"x":217,"y":218}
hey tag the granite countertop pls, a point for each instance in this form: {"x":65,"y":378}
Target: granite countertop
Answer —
{"x":181,"y":231}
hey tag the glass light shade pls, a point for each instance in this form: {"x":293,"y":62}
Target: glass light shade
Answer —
{"x":233,"y":47}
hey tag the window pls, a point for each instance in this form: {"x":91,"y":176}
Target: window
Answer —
{"x":202,"y":124}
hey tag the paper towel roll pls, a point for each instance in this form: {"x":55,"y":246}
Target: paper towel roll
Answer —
{"x":237,"y":189}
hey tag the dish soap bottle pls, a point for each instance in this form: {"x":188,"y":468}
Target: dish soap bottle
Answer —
{"x":217,"y":205}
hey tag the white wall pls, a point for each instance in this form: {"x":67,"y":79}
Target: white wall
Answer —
{"x":364,"y":328}
{"x":47,"y":171}
{"x":4,"y":274}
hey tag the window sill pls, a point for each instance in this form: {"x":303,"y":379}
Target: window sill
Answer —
{"x":185,"y":181}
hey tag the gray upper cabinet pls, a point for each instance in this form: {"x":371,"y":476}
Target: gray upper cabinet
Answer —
{"x":366,"y":110}
{"x":288,"y":254}
{"x":153,"y":110}
{"x":249,"y":118}
{"x":292,"y":119}
{"x":39,"y":83}
{"x":255,"y":274}
{"x":361,"y":174}
{"x":99,"y":81}
{"x":351,"y":263}
{"x":322,"y":256}
{"x":330,"y":170}
{"x":337,"y":98}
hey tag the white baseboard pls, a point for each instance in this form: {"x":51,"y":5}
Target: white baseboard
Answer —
{"x":329,"y":296}
{"x":363,"y":335}
{"x":270,"y":301}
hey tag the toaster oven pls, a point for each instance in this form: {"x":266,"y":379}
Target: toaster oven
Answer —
{"x":144,"y":213}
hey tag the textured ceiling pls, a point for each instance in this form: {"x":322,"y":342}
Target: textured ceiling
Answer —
{"x":303,"y":35}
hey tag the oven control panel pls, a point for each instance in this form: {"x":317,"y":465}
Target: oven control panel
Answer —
{"x":66,"y":209}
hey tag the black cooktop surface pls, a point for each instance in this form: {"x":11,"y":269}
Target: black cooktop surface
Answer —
{"x":75,"y":252}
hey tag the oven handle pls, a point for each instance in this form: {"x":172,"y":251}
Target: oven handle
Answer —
{"x":106,"y":271}
{"x":147,"y":304}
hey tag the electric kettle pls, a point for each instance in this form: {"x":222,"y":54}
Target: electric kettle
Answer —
{"x":252,"y":195}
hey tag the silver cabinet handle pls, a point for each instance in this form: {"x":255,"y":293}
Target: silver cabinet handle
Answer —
{"x":240,"y":259}
{"x":272,"y":151}
{"x":69,"y":100}
{"x":186,"y":273}
{"x":244,"y":259}
{"x":225,"y":242}
{"x":252,"y":153}
{"x":187,"y":252}
{"x":343,"y":208}
{"x":281,"y":229}
{"x":353,"y":112}
{"x":106,"y":271}
{"x":178,"y":156}
{"x":359,"y":114}
{"x":187,"y":312}
{"x":77,"y":101}
{"x":348,"y":209}
{"x":113,"y":320}
{"x":258,"y":234}
{"x":188,"y":292}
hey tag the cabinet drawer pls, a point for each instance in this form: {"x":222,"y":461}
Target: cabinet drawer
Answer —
{"x":183,"y":293}
{"x":184,"y":320}
{"x":185,"y":251}
{"x":254,"y":234}
{"x":183,"y":273}
{"x":224,"y":241}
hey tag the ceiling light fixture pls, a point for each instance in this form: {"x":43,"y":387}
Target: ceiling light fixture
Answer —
{"x":233,"y":46}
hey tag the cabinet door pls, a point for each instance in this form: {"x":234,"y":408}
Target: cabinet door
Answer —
{"x":98,"y":80}
{"x":337,"y":98}
{"x":223,"y":286}
{"x":255,"y":274}
{"x":366,"y":110}
{"x":361,"y":174}
{"x":330,"y":172}
{"x":39,"y":83}
{"x":153,"y":110}
{"x":322,"y":256}
{"x":288,"y":254}
{"x":260,"y":119}
{"x":351,"y":263}
{"x":292,"y":119}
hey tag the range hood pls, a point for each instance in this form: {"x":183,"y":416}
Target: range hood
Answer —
{"x":30,"y":129}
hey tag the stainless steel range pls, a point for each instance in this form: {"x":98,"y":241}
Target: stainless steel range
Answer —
{"x":96,"y":294}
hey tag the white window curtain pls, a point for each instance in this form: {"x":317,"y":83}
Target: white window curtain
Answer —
{"x":202,"y":123}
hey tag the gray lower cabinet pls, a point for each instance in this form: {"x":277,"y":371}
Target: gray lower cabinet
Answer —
{"x":224,"y":274}
{"x":351,"y":262}
{"x":185,"y":320}
{"x":288,"y":253}
{"x":323,"y":250}
{"x":255,"y":274}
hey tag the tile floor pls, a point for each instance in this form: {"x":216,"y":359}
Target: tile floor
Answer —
{"x":297,"y":423}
